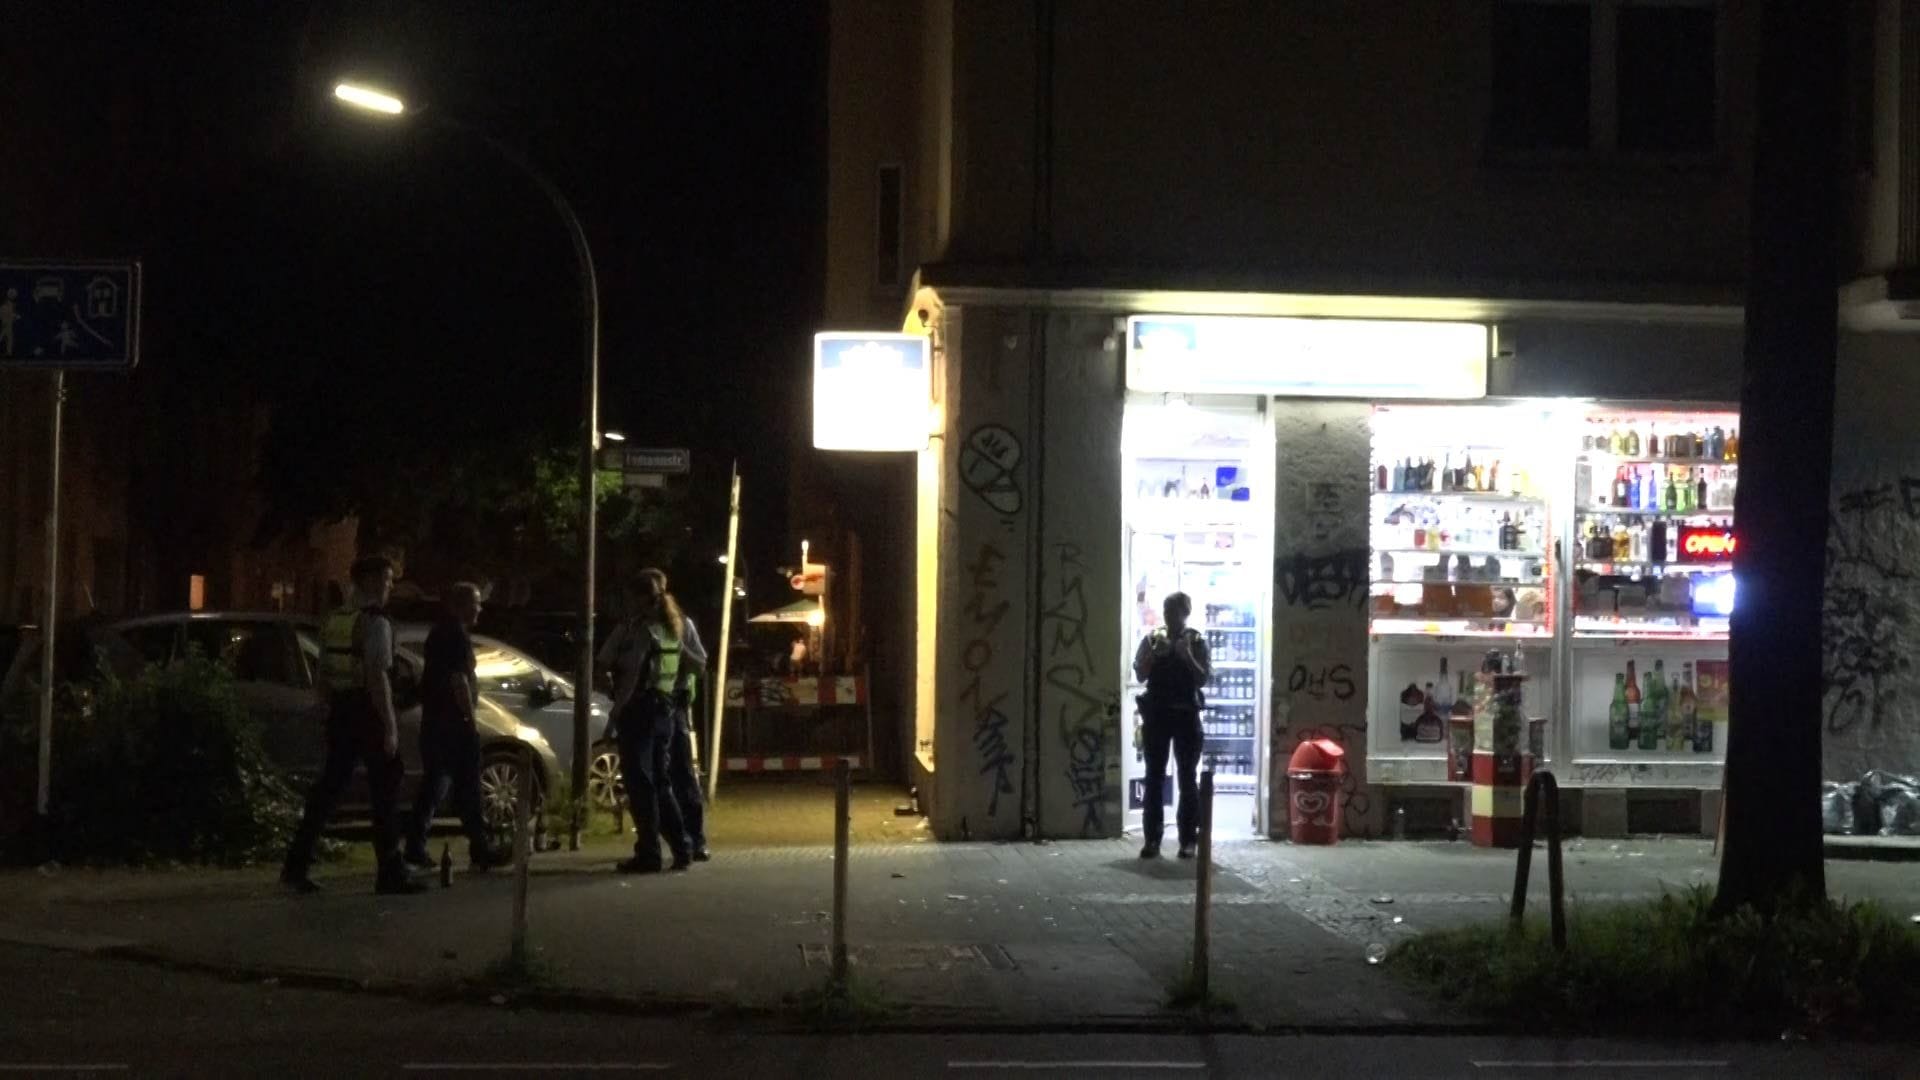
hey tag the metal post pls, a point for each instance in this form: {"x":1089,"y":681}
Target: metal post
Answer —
{"x":1203,"y":891}
{"x":522,"y":851}
{"x":726,"y":638}
{"x":842,"y":819}
{"x":1542,"y":788}
{"x":51,"y":607}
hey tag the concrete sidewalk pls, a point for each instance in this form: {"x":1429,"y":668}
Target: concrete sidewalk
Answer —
{"x":1052,"y":935}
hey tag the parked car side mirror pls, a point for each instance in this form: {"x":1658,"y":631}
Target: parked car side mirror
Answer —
{"x":541,"y":694}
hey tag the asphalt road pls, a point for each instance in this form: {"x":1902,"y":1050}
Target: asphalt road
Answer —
{"x":68,"y":1014}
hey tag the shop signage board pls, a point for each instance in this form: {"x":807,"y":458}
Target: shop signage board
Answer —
{"x":871,"y":391}
{"x":1707,"y":544}
{"x":77,"y":316}
{"x":1376,"y":359}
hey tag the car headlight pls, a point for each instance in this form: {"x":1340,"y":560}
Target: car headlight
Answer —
{"x":530,"y":736}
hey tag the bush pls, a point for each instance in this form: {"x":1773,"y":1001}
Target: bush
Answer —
{"x":1670,"y":966}
{"x":166,"y":765}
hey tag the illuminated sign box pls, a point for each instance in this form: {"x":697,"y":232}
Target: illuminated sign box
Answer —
{"x":871,"y":391}
{"x":1287,"y":357}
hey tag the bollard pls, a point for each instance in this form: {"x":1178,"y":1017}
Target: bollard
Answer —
{"x":842,"y":819}
{"x":1203,"y":890}
{"x":1542,"y":788}
{"x":522,"y":851}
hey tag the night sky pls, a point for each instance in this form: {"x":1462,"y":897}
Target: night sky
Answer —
{"x":302,"y":255}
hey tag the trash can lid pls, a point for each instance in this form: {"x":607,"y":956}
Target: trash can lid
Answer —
{"x":1318,"y":755}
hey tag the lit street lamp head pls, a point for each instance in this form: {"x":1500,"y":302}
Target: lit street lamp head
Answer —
{"x":362,"y":97}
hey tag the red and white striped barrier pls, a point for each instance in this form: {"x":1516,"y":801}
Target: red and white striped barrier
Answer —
{"x":791,"y":762}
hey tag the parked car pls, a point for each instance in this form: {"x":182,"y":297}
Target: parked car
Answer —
{"x":540,"y":698}
{"x":275,"y":660}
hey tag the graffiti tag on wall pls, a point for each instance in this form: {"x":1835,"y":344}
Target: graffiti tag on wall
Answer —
{"x":989,"y":467}
{"x":1084,"y":715}
{"x":1324,"y":582}
{"x":985,"y":610}
{"x":1869,"y":604}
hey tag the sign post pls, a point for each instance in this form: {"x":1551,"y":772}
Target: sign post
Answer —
{"x":61,"y":316}
{"x":719,"y":692}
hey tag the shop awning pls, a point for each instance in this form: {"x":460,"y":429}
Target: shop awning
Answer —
{"x":802,"y":612}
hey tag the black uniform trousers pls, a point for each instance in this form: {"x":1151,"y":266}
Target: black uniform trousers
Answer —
{"x":354,"y":737}
{"x":685,"y":783}
{"x":1177,"y":729}
{"x":449,"y":760}
{"x":645,"y":735}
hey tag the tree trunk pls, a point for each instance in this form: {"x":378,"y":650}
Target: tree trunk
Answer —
{"x":1773,"y":837}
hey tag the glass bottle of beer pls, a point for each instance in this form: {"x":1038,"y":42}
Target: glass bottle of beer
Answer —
{"x":1617,"y":714}
{"x":1690,"y":713}
{"x":1652,"y":723}
{"x":1633,"y":704}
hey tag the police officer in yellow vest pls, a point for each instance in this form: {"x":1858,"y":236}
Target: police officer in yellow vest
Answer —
{"x":650,"y":678}
{"x":356,"y":665}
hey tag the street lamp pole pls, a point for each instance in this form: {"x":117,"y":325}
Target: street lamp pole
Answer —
{"x":377,"y":102}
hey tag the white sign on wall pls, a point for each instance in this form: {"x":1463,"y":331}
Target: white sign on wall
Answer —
{"x":1289,"y":357}
{"x":871,"y":391}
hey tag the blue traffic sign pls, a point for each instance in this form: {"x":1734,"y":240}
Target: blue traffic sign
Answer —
{"x":74,"y":315}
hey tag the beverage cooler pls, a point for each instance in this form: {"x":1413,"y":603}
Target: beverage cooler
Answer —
{"x":1462,"y":531}
{"x":1197,"y":513}
{"x":1653,"y":590}
{"x":1590,"y":547}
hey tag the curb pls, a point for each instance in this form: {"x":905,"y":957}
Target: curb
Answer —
{"x":1871,"y":849}
{"x":784,"y":1017}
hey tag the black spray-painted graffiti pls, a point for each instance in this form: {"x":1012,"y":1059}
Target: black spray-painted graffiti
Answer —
{"x":1323,"y":582}
{"x":1321,"y":681}
{"x":1084,"y":715}
{"x":1869,"y":606}
{"x":989,"y":464}
{"x":985,"y":610}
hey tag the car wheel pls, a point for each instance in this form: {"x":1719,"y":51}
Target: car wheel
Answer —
{"x":604,"y":788}
{"x":500,"y":794}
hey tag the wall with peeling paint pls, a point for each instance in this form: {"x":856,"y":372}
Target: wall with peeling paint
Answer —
{"x":1321,"y":563}
{"x":1871,"y":629}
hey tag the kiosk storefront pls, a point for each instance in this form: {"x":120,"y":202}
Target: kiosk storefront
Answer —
{"x":1088,"y":455}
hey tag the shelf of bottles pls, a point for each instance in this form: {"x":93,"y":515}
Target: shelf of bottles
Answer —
{"x":1652,"y":707}
{"x":1230,"y":722}
{"x":1459,"y":526}
{"x":1653,"y":539}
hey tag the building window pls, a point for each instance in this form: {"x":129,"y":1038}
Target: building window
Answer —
{"x":1637,"y":78}
{"x":889,"y":262}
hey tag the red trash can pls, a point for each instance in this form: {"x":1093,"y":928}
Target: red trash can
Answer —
{"x":1313,"y":796}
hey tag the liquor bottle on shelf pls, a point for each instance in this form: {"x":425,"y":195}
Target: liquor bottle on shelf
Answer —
{"x":1690,"y":708}
{"x":1653,"y":443}
{"x":1657,"y":542}
{"x":1622,"y":545}
{"x":1380,"y":478}
{"x":1733,"y":445}
{"x":1652,"y":719}
{"x":1617,"y":712}
{"x":1621,"y":489}
{"x":1429,"y":728}
{"x":1717,"y":445}
{"x":1634,"y":718}
{"x":1443,"y":692}
{"x":1633,"y":443}
{"x":1679,"y":721}
{"x":1672,"y":498}
{"x":1700,"y":488}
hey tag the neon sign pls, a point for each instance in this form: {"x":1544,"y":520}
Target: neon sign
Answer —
{"x":1702,"y":543}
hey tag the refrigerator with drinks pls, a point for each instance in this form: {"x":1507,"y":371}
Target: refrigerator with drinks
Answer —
{"x":1652,"y":538}
{"x":1197,"y":515}
{"x":1461,"y":530}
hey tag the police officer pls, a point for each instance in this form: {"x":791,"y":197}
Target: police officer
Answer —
{"x":645,"y":655}
{"x":1174,"y":663}
{"x":449,"y":738}
{"x":683,"y":772}
{"x":356,"y":666}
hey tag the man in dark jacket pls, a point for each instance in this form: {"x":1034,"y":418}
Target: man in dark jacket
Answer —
{"x":1174,"y":663}
{"x":449,"y":739}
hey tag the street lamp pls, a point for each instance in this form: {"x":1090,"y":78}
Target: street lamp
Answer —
{"x":381,"y":103}
{"x":614,"y":436}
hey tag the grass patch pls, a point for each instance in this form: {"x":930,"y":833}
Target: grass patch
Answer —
{"x":1668,"y":965}
{"x":527,"y":973}
{"x":841,"y":1006}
